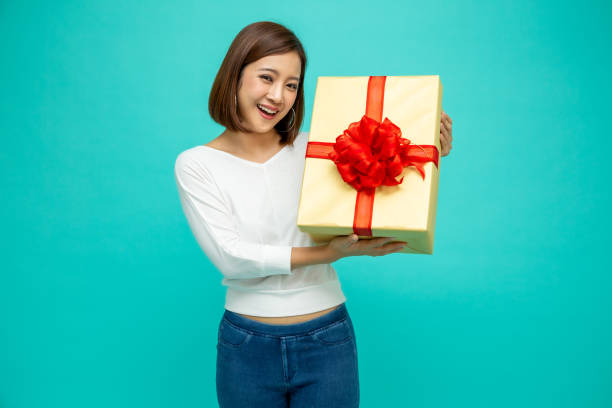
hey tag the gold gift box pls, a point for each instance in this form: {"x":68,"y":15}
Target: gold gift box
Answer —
{"x":406,"y":212}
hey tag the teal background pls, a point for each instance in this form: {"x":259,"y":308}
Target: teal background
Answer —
{"x":106,"y":300}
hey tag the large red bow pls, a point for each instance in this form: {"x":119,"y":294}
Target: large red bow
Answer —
{"x":370,"y":154}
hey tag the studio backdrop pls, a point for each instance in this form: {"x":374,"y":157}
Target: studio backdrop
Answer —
{"x":106,"y":299}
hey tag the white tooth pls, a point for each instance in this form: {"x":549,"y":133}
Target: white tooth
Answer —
{"x":266,"y":110}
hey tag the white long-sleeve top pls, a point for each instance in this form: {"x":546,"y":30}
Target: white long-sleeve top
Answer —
{"x":243,"y":215}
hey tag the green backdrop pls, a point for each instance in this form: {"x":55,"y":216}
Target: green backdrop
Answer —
{"x":106,"y":300}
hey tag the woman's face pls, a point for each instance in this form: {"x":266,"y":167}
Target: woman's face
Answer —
{"x":267,"y":90}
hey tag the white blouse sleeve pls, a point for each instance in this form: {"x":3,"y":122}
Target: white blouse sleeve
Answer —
{"x":212,"y":224}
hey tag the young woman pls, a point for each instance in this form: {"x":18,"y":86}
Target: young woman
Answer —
{"x":285,"y":338}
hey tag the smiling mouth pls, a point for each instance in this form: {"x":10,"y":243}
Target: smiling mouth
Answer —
{"x":266,"y":111}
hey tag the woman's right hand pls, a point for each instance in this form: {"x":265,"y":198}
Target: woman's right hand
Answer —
{"x":350,"y":245}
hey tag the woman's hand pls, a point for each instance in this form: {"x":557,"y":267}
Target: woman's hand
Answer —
{"x":351,"y":246}
{"x":446,"y":133}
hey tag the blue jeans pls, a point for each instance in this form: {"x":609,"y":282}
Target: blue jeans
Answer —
{"x":309,"y":364}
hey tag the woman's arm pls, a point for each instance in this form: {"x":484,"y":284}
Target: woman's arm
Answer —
{"x":304,"y":256}
{"x":211,"y":223}
{"x":209,"y":218}
{"x":341,"y":247}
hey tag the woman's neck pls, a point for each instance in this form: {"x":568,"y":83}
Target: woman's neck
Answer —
{"x":252,"y":142}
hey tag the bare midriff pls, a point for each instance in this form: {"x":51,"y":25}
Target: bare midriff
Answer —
{"x":289,"y":319}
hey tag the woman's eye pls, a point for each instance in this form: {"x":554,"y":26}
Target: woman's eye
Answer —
{"x":266,"y":77}
{"x":293,"y":86}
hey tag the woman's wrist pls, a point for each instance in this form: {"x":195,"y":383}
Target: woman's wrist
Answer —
{"x":330,"y":253}
{"x":314,"y":255}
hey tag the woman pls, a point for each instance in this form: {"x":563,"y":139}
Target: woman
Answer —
{"x":285,"y":338}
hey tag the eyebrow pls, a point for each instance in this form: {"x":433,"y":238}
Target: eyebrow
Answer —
{"x":276,"y":72}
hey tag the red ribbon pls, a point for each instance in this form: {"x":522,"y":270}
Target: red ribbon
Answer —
{"x":370,"y":154}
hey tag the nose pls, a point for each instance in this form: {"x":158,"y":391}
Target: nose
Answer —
{"x":275,"y":93}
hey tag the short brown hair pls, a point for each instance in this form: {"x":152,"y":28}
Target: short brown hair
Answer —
{"x":253,"y":42}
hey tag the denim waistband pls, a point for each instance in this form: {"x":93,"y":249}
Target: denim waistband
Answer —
{"x":287,"y":329}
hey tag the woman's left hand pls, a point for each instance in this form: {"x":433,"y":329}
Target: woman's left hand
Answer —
{"x":446,"y":133}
